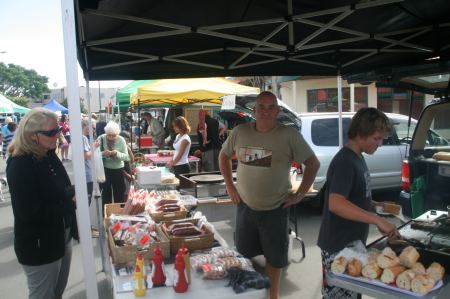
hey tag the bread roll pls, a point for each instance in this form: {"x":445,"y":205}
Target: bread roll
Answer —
{"x":390,"y":274}
{"x":371,"y":270}
{"x":354,"y":267}
{"x":387,"y":251}
{"x":444,"y":156}
{"x":418,"y":268}
{"x":339,"y":265}
{"x":436,"y":271}
{"x":409,"y":256}
{"x":372,"y":258}
{"x":384,"y":261}
{"x":422,"y":284}
{"x":404,"y":279}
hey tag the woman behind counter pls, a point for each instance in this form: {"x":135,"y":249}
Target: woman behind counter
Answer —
{"x":181,"y":145}
{"x":114,"y":152}
{"x":43,"y":203}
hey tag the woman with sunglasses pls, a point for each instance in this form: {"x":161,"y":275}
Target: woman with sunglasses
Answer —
{"x":181,"y":145}
{"x":43,"y":203}
{"x":114,"y":152}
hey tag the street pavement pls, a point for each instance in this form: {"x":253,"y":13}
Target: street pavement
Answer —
{"x":299,"y":280}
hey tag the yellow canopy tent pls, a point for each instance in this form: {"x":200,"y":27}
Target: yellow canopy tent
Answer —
{"x":188,"y":91}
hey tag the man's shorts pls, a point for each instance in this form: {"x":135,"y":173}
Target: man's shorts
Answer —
{"x":263,"y":232}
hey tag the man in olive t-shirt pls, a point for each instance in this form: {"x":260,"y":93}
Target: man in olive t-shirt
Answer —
{"x":265,"y":151}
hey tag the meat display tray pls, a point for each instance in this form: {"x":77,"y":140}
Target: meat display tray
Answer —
{"x":203,"y":185}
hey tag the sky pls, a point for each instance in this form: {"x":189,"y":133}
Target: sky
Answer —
{"x":31,"y":35}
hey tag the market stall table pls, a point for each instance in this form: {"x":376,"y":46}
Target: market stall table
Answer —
{"x":162,"y":160}
{"x":199,"y":288}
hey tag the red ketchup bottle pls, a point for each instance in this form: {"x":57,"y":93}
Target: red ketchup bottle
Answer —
{"x":158,"y":275}
{"x":180,"y":284}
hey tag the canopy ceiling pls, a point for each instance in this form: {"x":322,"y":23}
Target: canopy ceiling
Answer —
{"x":188,"y":91}
{"x":134,"y":39}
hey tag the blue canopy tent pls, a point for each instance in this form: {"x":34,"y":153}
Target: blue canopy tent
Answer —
{"x":55,"y":106}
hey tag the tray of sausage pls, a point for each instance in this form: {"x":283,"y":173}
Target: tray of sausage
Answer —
{"x":189,"y":232}
{"x":166,"y":208}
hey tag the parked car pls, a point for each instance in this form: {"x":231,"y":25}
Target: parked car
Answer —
{"x":429,"y":174}
{"x":321,"y":132}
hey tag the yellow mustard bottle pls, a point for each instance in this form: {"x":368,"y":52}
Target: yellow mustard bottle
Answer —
{"x":138,"y":283}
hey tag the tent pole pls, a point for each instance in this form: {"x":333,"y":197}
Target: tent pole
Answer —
{"x":84,"y":222}
{"x":139,"y":124}
{"x":339,"y":87}
{"x":95,"y":190}
{"x":352,"y":97}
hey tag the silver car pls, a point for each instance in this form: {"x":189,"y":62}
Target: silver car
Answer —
{"x":321,"y":132}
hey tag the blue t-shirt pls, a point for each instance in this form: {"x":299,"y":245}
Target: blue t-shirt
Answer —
{"x":88,"y":162}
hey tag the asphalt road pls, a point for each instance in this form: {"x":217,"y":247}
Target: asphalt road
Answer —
{"x":300,"y":280}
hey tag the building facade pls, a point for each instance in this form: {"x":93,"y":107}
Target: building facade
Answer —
{"x":320,"y":95}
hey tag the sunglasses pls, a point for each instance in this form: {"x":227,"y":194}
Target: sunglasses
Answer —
{"x":51,"y":133}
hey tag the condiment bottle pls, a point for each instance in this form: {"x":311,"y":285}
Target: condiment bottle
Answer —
{"x":140,"y":263}
{"x":158,"y":275}
{"x":138,"y":283}
{"x":180,"y":284}
{"x":187,"y":262}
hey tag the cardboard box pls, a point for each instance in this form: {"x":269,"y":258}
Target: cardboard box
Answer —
{"x":148,"y":175}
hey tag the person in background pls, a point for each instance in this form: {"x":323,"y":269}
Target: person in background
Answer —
{"x":263,"y":191}
{"x":4,"y":128}
{"x":100,"y":125}
{"x":347,"y":194}
{"x":114,"y":152}
{"x":11,"y":128}
{"x":128,"y":165}
{"x":181,"y":145}
{"x":210,"y":144}
{"x":155,"y":129}
{"x":64,"y":124}
{"x":94,"y":119}
{"x":43,"y":203}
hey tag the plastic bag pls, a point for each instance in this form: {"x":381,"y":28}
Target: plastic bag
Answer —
{"x":98,"y":166}
{"x":418,"y":191}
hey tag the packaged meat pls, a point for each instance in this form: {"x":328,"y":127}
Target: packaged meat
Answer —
{"x":214,"y":271}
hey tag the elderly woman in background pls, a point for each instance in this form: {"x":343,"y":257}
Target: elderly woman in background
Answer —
{"x":43,"y":203}
{"x":114,"y":151}
{"x":181,"y":145}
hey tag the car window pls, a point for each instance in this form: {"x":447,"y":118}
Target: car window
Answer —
{"x":404,"y":134}
{"x":324,"y":132}
{"x":439,"y":132}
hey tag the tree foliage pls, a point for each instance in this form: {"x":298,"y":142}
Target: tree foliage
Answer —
{"x":21,"y":101}
{"x":17,"y":81}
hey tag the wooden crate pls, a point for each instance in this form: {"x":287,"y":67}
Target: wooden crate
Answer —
{"x":204,"y":241}
{"x":169,"y":216}
{"x":125,"y":254}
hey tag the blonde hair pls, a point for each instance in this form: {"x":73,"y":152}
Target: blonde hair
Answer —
{"x":34,"y":121}
{"x":182,"y":124}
